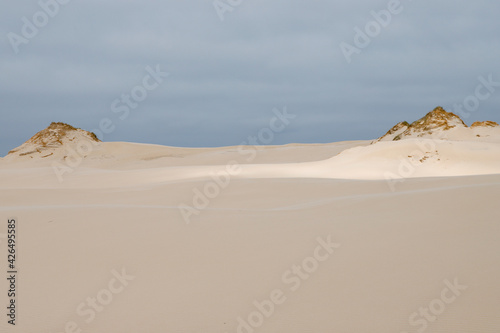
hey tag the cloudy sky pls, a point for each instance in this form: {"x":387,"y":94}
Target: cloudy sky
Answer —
{"x":345,"y":75}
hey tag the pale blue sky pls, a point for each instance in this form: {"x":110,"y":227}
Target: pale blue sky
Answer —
{"x":225,"y":77}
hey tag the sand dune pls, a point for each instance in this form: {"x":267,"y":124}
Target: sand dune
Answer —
{"x":395,"y":236}
{"x":385,"y":160}
{"x":396,"y":251}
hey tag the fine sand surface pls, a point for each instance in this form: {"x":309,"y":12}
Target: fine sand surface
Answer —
{"x":410,"y":252}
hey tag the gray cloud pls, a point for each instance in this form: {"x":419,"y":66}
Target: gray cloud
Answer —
{"x":226,"y":77}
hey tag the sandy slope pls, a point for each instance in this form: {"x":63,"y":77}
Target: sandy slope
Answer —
{"x":124,"y":164}
{"x":398,"y":244}
{"x":127,"y":155}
